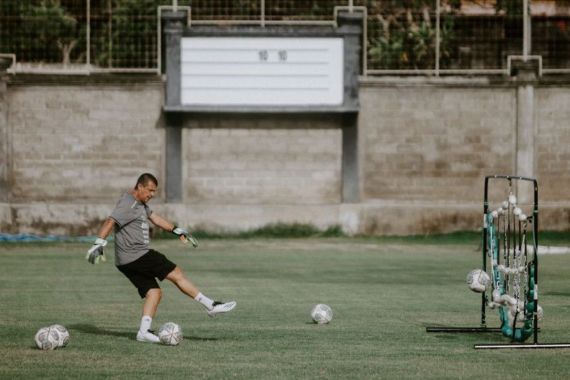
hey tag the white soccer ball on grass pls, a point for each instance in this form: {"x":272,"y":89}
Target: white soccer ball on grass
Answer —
{"x":170,"y":334}
{"x":477,"y":280}
{"x":321,"y":314}
{"x":63,"y":334}
{"x":47,"y":338}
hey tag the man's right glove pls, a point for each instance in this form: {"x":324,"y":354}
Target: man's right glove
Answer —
{"x":187,"y":237}
{"x":95,"y":253}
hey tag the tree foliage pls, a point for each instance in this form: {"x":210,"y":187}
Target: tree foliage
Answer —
{"x":45,"y":29}
{"x":53,"y":27}
{"x":403,"y":34}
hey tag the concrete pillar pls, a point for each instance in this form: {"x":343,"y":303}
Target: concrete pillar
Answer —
{"x":350,"y":24}
{"x":525,"y":131}
{"x":174,"y":23}
{"x":174,"y":159}
{"x":350,"y":167}
{"x":525,"y":74}
{"x":4,"y":132}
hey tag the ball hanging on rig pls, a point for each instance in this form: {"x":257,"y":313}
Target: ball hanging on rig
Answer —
{"x":477,"y":280}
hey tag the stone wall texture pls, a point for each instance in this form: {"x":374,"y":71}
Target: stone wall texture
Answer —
{"x":434,"y":143}
{"x":243,"y":165}
{"x":553,"y":142}
{"x":82,"y":143}
{"x":69,"y":149}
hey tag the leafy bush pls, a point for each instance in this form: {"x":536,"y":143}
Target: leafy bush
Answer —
{"x":404,"y":36}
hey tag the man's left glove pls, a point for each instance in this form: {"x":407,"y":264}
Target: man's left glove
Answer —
{"x":187,"y":237}
{"x":95,"y":253}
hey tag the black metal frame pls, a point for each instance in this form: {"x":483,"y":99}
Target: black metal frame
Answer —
{"x":483,"y":328}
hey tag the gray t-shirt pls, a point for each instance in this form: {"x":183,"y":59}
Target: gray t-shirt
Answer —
{"x":131,"y":229}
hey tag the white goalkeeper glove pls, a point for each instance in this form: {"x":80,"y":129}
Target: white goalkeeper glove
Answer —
{"x":186,"y":235}
{"x":95,"y":253}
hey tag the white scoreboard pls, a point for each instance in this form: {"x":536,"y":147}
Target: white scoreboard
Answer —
{"x":261,"y":71}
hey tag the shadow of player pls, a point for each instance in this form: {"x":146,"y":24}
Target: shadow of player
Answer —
{"x":91,"y":329}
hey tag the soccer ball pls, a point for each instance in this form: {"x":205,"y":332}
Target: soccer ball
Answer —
{"x":170,"y":334}
{"x":47,"y":338}
{"x":321,"y":314}
{"x":477,"y":280}
{"x":63,"y":334}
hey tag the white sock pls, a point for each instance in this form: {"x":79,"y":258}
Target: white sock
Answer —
{"x":146,"y":321}
{"x":208,"y":303}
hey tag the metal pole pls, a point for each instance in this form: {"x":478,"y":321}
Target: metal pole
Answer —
{"x":262,"y":13}
{"x":175,"y":5}
{"x":350,"y":6}
{"x":526,"y":29}
{"x":110,"y":59}
{"x":437,"y":36}
{"x":88,"y":31}
{"x":535,"y":248}
{"x":485,"y":211}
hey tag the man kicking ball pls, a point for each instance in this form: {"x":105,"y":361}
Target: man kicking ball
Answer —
{"x":142,"y":265}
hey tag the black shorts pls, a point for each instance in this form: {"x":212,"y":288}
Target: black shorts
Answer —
{"x":144,"y":271}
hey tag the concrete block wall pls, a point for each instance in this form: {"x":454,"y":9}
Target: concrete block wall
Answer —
{"x":434,"y":143}
{"x":552,"y":152}
{"x":424,"y":147}
{"x":239,"y":164}
{"x":553,"y":142}
{"x":4,"y":138}
{"x":77,"y":143}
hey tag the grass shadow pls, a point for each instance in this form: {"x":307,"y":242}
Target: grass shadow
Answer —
{"x":201,"y":339}
{"x":92,"y":329}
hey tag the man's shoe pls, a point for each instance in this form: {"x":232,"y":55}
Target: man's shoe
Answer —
{"x":147,"y":336}
{"x":220,"y":307}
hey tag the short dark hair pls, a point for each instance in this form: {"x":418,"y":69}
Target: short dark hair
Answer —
{"x":146,"y":178}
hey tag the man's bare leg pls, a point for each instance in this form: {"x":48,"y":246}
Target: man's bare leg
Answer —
{"x":151,"y":301}
{"x":187,"y":287}
{"x":183,"y":283}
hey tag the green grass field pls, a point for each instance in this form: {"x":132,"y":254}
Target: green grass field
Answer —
{"x":384,"y":292}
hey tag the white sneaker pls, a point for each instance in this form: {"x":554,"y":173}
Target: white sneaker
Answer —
{"x":219,"y":308}
{"x":147,"y":336}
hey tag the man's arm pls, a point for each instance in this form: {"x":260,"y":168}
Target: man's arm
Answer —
{"x":182,"y":234}
{"x":106,"y":228}
{"x":159,"y":221}
{"x":95,"y":253}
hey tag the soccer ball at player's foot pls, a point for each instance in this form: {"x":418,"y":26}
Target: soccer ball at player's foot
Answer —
{"x":170,"y":334}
